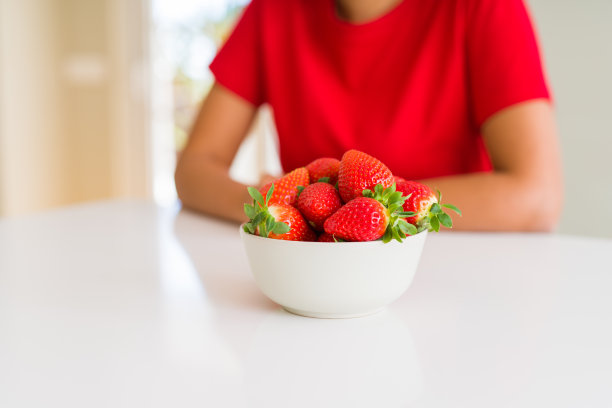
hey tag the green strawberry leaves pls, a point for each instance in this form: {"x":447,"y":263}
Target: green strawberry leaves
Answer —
{"x":437,"y":217}
{"x":434,"y":224}
{"x":250,"y":211}
{"x":393,"y":200}
{"x":256,"y":195}
{"x":445,"y":220}
{"x":269,"y":194}
{"x":449,"y":206}
{"x":280,"y":228}
{"x":248,"y":228}
{"x":407,"y":228}
{"x":398,"y":228}
{"x":452,"y":207}
{"x":261,"y":222}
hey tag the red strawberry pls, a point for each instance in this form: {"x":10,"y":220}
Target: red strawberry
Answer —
{"x":325,"y":237}
{"x":285,"y":188}
{"x":372,"y":217}
{"x":317,"y":202}
{"x":276,"y":220}
{"x":298,"y":227}
{"x":361,"y":219}
{"x":360,"y":171}
{"x":421,"y":200}
{"x":324,"y":167}
{"x":398,"y":179}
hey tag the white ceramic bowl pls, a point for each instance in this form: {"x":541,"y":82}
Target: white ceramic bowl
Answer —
{"x":333,"y":280}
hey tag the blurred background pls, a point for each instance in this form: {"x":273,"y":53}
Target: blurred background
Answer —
{"x":97,"y":98}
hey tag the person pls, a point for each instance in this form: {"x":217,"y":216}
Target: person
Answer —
{"x":451,"y":93}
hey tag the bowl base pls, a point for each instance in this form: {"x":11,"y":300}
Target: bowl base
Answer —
{"x":319,"y":315}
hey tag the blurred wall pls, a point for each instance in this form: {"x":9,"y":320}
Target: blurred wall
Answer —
{"x":85,"y":64}
{"x":32,"y":156}
{"x":576,"y":37}
{"x":73,"y":119}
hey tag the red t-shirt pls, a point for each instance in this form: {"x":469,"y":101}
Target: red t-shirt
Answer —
{"x":411,"y":88}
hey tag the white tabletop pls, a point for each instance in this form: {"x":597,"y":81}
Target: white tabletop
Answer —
{"x":125,"y":304}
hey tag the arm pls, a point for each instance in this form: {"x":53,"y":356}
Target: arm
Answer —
{"x":202,"y":172}
{"x":524,"y":191}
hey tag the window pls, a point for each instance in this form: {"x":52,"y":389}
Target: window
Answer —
{"x":186,"y":36}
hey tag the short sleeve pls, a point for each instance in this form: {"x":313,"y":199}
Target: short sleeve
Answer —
{"x":238,"y":66}
{"x":503,"y":56}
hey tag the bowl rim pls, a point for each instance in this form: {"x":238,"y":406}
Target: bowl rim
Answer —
{"x":243,"y":233}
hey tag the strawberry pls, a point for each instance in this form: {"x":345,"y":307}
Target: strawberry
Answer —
{"x":359,"y":171}
{"x":368,"y":218}
{"x":317,"y":202}
{"x":361,"y":219}
{"x":275,"y":220}
{"x":324,"y":167}
{"x":325,"y":237}
{"x":419,"y":199}
{"x":398,"y":179}
{"x":422,"y":201}
{"x":285,"y":191}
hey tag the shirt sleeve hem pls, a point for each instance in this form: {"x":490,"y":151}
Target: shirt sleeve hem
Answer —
{"x":235,"y":89}
{"x":516,"y":101}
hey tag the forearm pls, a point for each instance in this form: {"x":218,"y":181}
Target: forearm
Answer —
{"x":500,"y":201}
{"x":204,"y":185}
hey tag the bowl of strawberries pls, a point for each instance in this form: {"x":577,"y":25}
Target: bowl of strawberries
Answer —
{"x":339,"y":238}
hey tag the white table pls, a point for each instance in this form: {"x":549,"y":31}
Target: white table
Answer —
{"x":124,"y":304}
